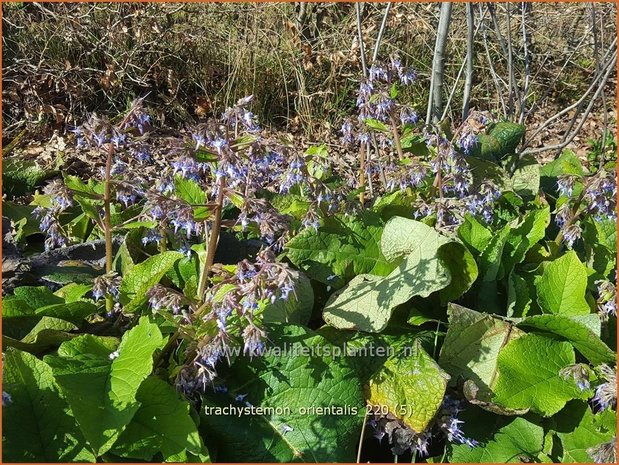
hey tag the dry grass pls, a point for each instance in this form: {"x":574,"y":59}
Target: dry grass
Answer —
{"x":62,"y":61}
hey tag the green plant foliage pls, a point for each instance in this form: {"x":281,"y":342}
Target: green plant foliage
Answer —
{"x":290,"y":381}
{"x":529,"y":375}
{"x":428,"y":293}
{"x":340,"y":249}
{"x":411,"y":387}
{"x":367,"y":302}
{"x":46,"y":432}
{"x":100,"y":388}
{"x":20,"y":177}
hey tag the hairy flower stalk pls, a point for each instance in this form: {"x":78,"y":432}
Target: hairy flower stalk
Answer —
{"x":396,"y":137}
{"x":362,"y":152}
{"x":213,"y":237}
{"x":107,"y":223}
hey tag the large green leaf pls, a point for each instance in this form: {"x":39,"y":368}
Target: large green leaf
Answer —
{"x":518,"y":441}
{"x":523,"y":235}
{"x":48,"y":332}
{"x":519,"y":295}
{"x":508,"y":136}
{"x":37,"y":296}
{"x":75,"y":312}
{"x":161,"y":424}
{"x":582,"y":337}
{"x":529,"y":375}
{"x":143,"y":276}
{"x":20,"y":177}
{"x":25,"y":222}
{"x":18,"y":318}
{"x":561,"y":288}
{"x":579,"y":429}
{"x":472,"y":345}
{"x":293,"y":382}
{"x":567,"y":163}
{"x":411,"y":387}
{"x":343,"y":247}
{"x":526,"y":178}
{"x":189,"y":190}
{"x":37,"y":424}
{"x":490,"y":268}
{"x":501,"y":139}
{"x":101,"y":389}
{"x":367,"y":302}
{"x":474,"y":234}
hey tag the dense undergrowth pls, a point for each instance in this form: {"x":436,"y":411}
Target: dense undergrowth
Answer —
{"x":430,"y":295}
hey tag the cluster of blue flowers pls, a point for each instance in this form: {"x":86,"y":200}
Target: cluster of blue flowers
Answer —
{"x":597,"y":197}
{"x":403,"y":439}
{"x":375,"y":100}
{"x":234,"y":305}
{"x":61,"y":198}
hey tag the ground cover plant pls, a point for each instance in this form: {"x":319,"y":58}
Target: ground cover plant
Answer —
{"x":221,"y":292}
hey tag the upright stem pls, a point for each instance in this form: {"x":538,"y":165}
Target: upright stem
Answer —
{"x":396,"y":137}
{"x":107,"y":222}
{"x":213,"y":237}
{"x":163,"y":246}
{"x":362,"y":172}
{"x":574,"y":214}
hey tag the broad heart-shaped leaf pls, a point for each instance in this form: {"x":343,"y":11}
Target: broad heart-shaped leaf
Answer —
{"x":567,"y":163}
{"x":490,"y":268}
{"x":37,"y":296}
{"x":412,"y":387}
{"x":37,"y":422}
{"x":515,"y":442}
{"x":462,"y":269}
{"x":561,"y":288}
{"x":292,"y":382}
{"x":582,"y":338}
{"x":102,"y":391}
{"x":342,"y":248}
{"x":526,"y":178}
{"x":472,"y":345}
{"x":161,"y":424}
{"x":75,"y":312}
{"x":143,"y":276}
{"x":367,"y":302}
{"x":20,"y":177}
{"x":474,"y":234}
{"x":579,"y":429}
{"x":18,"y":318}
{"x":508,"y":136}
{"x":48,"y":332}
{"x":524,"y":235}
{"x":529,"y":375}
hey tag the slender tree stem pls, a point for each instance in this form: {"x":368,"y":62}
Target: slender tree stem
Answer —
{"x":107,"y":221}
